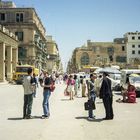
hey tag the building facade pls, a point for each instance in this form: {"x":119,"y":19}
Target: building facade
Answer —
{"x":133,"y":47}
{"x":98,"y":54}
{"x":27,"y":26}
{"x":54,"y":60}
{"x":8,"y":54}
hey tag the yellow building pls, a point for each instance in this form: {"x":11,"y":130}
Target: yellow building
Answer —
{"x":98,"y":54}
{"x":8,"y":54}
{"x":27,"y":26}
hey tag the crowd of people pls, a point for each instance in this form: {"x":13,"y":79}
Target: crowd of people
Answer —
{"x":91,"y":86}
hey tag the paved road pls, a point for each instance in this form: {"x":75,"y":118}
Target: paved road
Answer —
{"x":68,"y":119}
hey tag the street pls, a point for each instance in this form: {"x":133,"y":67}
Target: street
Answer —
{"x":68,"y":120}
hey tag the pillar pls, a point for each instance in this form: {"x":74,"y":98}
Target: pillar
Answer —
{"x":2,"y":62}
{"x":9,"y":63}
{"x":14,"y":58}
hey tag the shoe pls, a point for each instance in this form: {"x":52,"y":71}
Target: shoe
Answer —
{"x":28,"y":117}
{"x":45,"y":117}
{"x":90,"y":119}
{"x":108,"y":118}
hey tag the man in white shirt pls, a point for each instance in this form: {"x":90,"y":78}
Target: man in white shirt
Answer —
{"x":28,"y":94}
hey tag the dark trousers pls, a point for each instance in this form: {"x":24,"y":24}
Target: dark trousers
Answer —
{"x":108,"y":106}
{"x":27,"y":108}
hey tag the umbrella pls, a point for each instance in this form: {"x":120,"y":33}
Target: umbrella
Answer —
{"x":108,"y":70}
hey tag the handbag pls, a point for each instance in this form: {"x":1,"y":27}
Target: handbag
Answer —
{"x":52,"y":87}
{"x":90,"y":104}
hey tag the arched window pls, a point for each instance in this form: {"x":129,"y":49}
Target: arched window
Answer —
{"x":85,"y":59}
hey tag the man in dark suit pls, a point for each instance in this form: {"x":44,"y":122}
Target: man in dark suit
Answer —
{"x":106,"y":95}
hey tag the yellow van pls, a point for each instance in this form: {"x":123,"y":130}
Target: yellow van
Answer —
{"x":21,"y":71}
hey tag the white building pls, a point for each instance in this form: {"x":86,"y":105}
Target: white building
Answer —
{"x":133,"y":47}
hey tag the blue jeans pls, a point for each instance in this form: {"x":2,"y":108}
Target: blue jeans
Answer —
{"x":46,"y":95}
{"x":90,"y":111}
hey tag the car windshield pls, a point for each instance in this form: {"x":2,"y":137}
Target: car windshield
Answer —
{"x":134,"y":79}
{"x":117,"y":77}
{"x":22,"y":69}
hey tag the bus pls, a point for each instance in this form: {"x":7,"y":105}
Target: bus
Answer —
{"x":21,"y":71}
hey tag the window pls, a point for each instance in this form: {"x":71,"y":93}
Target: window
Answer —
{"x":121,"y":59}
{"x":123,"y":48}
{"x":139,"y":52}
{"x":22,"y":53}
{"x":85,"y":59}
{"x":133,"y":46}
{"x":19,"y":35}
{"x":133,"y":52}
{"x":133,"y":38}
{"x":19,"y":17}
{"x":139,"y":37}
{"x":139,"y":46}
{"x":2,"y":16}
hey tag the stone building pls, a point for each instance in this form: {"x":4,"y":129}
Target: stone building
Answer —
{"x":98,"y":54}
{"x":8,"y":53}
{"x":53,"y":63}
{"x":27,"y":26}
{"x":133,"y":47}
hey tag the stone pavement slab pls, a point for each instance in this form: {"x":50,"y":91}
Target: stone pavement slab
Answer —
{"x":68,"y":119}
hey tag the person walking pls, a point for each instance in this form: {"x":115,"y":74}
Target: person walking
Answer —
{"x":28,"y":95}
{"x":91,"y":95}
{"x":70,"y":87}
{"x":107,"y":96}
{"x":76,"y":85}
{"x":84,"y":86}
{"x":46,"y":95}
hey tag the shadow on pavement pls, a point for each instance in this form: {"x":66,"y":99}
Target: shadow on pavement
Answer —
{"x":20,"y":118}
{"x":86,"y":118}
{"x":15,"y":119}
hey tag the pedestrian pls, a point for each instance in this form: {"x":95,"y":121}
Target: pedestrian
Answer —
{"x":97,"y":83}
{"x":46,"y":95}
{"x":28,"y":95}
{"x":35,"y":82}
{"x":84,"y":86}
{"x":91,"y":95}
{"x":70,"y":87}
{"x":76,"y":85}
{"x":107,"y":96}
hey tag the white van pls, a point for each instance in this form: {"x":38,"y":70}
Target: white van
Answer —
{"x":126,"y":75}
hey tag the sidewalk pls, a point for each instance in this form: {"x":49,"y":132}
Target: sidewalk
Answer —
{"x":68,"y":118}
{"x":3,"y":83}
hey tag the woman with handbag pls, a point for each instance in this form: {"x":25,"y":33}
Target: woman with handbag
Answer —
{"x":70,"y":87}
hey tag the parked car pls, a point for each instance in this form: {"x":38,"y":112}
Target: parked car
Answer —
{"x":114,"y":74}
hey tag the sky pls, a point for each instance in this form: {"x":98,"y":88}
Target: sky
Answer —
{"x":73,"y":22}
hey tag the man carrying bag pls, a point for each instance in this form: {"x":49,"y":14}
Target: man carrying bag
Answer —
{"x":90,"y":104}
